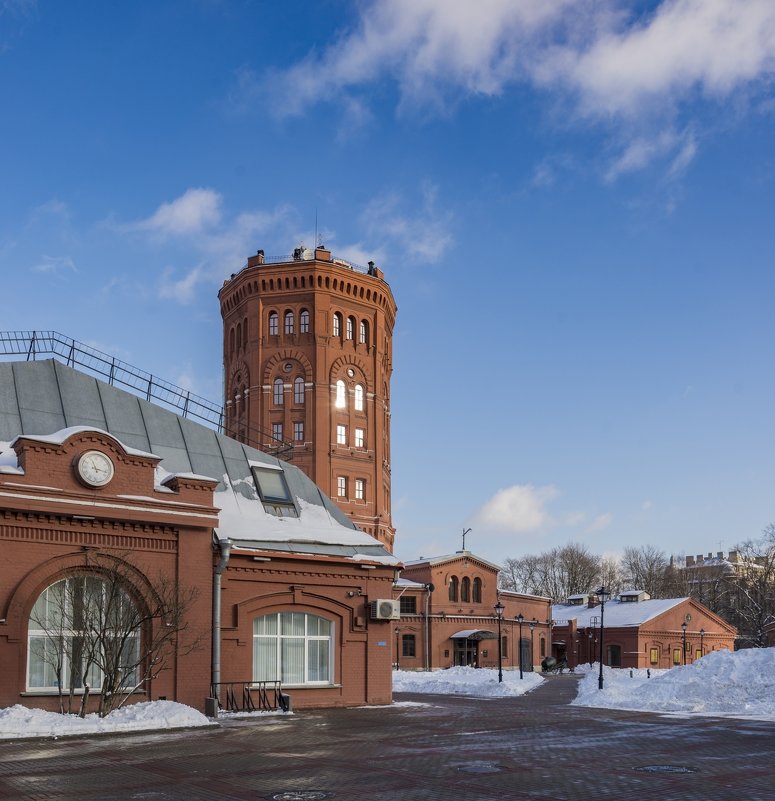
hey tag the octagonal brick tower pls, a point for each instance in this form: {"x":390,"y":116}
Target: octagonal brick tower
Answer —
{"x":307,"y":355}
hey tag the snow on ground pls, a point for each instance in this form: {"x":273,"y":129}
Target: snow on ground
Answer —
{"x":480,"y":682}
{"x":19,"y":721}
{"x":739,"y":684}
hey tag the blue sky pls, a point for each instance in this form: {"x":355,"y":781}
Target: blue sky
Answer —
{"x":573,"y":203}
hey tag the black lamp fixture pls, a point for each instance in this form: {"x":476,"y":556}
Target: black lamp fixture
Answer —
{"x":683,"y":626}
{"x":520,"y":618}
{"x":702,"y":637}
{"x":499,"y":614}
{"x":601,"y":593}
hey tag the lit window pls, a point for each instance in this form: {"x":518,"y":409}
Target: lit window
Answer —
{"x":654,"y":656}
{"x":358,"y":398}
{"x":304,"y":322}
{"x":408,"y":645}
{"x":298,"y":432}
{"x":277,"y":392}
{"x":274,"y":324}
{"x":676,"y":656}
{"x":341,"y":435}
{"x":360,"y":437}
{"x":289,"y":322}
{"x":360,"y":489}
{"x":341,"y":486}
{"x":350,"y":328}
{"x":364,"y":332}
{"x":341,"y":395}
{"x":273,"y":490}
{"x":68,"y":635}
{"x":298,"y":390}
{"x":337,"y":324}
{"x":277,"y":432}
{"x":293,"y":648}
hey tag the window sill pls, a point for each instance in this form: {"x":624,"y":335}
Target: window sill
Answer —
{"x":65,"y":693}
{"x":311,"y":686}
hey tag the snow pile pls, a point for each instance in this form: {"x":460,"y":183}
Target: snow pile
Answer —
{"x":19,"y":721}
{"x":739,"y":684}
{"x":479,"y":682}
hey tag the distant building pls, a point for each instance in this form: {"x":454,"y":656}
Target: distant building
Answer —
{"x":308,"y":356}
{"x":638,"y":632}
{"x":448,"y":617}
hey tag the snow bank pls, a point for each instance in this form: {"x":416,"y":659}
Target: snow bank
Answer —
{"x":479,"y":682}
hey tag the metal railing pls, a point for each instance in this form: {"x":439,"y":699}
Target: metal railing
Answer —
{"x":33,"y":344}
{"x":250,"y":696}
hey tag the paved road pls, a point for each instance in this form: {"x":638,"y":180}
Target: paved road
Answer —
{"x":535,"y":747}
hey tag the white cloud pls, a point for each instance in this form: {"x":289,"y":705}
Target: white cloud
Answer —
{"x":181,"y":290}
{"x":600,"y":522}
{"x":679,"y":148}
{"x":194,"y":212}
{"x":518,"y":508}
{"x":55,"y":264}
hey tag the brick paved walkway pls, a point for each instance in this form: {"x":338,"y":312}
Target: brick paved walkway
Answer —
{"x":535,"y":747}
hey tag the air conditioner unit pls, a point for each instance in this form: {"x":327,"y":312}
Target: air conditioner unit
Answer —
{"x":385,"y":610}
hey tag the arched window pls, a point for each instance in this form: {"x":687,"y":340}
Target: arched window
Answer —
{"x":358,"y":398}
{"x":341,"y":395}
{"x":477,"y":591}
{"x":239,"y":336}
{"x":298,"y":390}
{"x":453,"y":588}
{"x":364,"y":332}
{"x":231,"y":339}
{"x":274,"y":324}
{"x":304,"y":322}
{"x":69,"y":636}
{"x":277,"y":392}
{"x":351,"y":328}
{"x":465,"y":590}
{"x":337,"y":324}
{"x":289,"y":322}
{"x":294,"y":648}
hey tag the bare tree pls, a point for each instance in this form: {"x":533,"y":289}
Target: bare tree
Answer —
{"x":646,"y":568}
{"x":752,"y":598}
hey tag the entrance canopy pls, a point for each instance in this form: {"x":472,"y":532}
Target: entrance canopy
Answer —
{"x":473,"y":634}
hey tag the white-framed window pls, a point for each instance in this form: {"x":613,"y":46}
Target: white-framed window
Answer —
{"x":289,"y":322}
{"x":277,"y":432}
{"x":360,"y":489}
{"x":341,"y":486}
{"x":350,"y":328}
{"x":358,"y":398}
{"x":298,"y":431}
{"x":298,"y":390}
{"x":337,"y":324}
{"x":360,"y":437}
{"x":363,"y":332}
{"x":304,"y":321}
{"x":278,"y":391}
{"x":294,"y":648}
{"x":341,"y":395}
{"x":274,"y":324}
{"x":69,"y":635}
{"x":341,"y":435}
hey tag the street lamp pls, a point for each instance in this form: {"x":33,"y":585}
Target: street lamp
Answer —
{"x":683,"y":626}
{"x":532,"y":628}
{"x":520,"y":618}
{"x":702,"y":637}
{"x":602,"y":592}
{"x":499,"y":612}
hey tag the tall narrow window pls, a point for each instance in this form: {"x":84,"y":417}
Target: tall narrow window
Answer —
{"x":277,"y":432}
{"x":337,"y":324}
{"x":341,"y":486}
{"x":360,"y":438}
{"x":358,"y":398}
{"x":360,"y":489}
{"x":408,"y":645}
{"x":465,"y":589}
{"x":341,"y":395}
{"x":350,"y":328}
{"x":298,"y":431}
{"x":341,"y":435}
{"x":298,"y":390}
{"x":477,"y":591}
{"x":289,"y":322}
{"x":274,"y":324}
{"x":277,"y":392}
{"x":364,"y":332}
{"x":304,"y":322}
{"x":453,"y":584}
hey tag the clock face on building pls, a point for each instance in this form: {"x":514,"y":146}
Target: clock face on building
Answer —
{"x":95,"y":468}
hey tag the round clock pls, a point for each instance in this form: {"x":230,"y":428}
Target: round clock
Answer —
{"x":95,"y":468}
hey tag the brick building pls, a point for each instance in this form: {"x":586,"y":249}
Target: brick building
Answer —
{"x":281,"y":581}
{"x":307,"y":354}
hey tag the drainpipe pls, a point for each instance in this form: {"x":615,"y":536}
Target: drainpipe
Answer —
{"x":225,"y":547}
{"x":429,"y":588}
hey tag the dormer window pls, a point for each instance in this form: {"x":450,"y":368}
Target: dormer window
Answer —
{"x":273,"y":491}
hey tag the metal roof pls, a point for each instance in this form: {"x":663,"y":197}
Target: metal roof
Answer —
{"x":43,"y":397}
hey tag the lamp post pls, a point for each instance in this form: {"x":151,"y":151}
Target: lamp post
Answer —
{"x":499,"y":612}
{"x":520,"y":618}
{"x":532,"y":627}
{"x":702,"y":637}
{"x":683,"y":626}
{"x":601,"y":592}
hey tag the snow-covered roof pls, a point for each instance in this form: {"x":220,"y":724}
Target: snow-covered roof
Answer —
{"x":617,"y":614}
{"x":47,"y":399}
